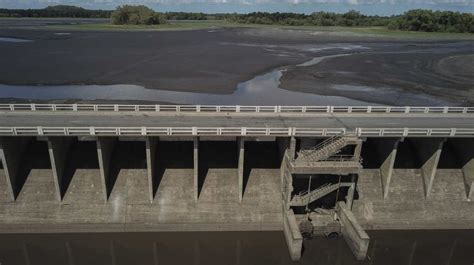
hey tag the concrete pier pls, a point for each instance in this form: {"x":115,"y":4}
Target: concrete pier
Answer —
{"x":428,"y":152}
{"x":354,"y":235}
{"x":387,"y":150}
{"x":12,"y":153}
{"x":151,"y":149}
{"x":464,"y":152}
{"x":105,"y":149}
{"x":292,"y":149}
{"x":196,"y":167}
{"x":59,"y":148}
{"x":350,"y":192}
{"x":293,"y":237}
{"x":240,"y":169}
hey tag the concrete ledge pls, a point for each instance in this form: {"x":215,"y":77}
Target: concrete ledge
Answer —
{"x":294,"y":240}
{"x":136,"y":227}
{"x":355,"y":236}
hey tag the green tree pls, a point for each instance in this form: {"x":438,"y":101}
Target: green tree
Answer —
{"x":136,"y":15}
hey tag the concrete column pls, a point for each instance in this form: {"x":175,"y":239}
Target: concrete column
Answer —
{"x":468,"y":172}
{"x":58,"y":148}
{"x":464,"y":149}
{"x":358,"y":149}
{"x":292,"y":148}
{"x":429,"y":152}
{"x":11,"y":153}
{"x":386,"y":169}
{"x":241,"y":146}
{"x":105,"y":149}
{"x":350,"y":193}
{"x":354,"y":235}
{"x":293,"y":236}
{"x":196,"y":168}
{"x":151,"y":143}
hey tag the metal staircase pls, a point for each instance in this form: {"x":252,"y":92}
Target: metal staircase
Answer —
{"x":323,"y":150}
{"x":305,"y":198}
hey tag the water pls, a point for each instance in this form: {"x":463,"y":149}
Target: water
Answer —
{"x":262,"y":248}
{"x":261,"y":90}
{"x":14,"y":40}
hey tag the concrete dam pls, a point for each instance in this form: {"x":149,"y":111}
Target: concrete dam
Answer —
{"x":309,"y":170}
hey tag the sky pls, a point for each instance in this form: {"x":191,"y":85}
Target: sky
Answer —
{"x":371,"y":7}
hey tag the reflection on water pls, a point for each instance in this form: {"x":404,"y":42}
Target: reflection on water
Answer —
{"x":262,"y":90}
{"x":5,"y":39}
{"x":262,"y":248}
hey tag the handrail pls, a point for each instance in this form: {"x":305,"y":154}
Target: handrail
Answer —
{"x":235,"y":131}
{"x":305,"y":195}
{"x":340,"y":158}
{"x":325,"y":142}
{"x":232,"y":108}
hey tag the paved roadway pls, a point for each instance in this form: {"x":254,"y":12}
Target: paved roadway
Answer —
{"x":157,"y":119}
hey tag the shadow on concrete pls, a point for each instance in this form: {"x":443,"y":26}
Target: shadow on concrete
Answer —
{"x":376,"y":151}
{"x":82,"y":155}
{"x":126,"y":155}
{"x":456,"y":153}
{"x":35,"y":156}
{"x":215,"y":154}
{"x":260,"y":155}
{"x":172,"y":155}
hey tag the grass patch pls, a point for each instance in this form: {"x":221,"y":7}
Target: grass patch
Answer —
{"x":215,"y":24}
{"x":171,"y":25}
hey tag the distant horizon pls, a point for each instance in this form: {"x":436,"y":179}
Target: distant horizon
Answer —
{"x":382,"y":9}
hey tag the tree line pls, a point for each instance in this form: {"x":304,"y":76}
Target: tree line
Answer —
{"x":66,"y":11}
{"x":56,"y":11}
{"x":413,"y":20}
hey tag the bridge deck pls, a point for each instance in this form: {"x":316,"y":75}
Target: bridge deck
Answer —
{"x":157,"y":119}
{"x":235,"y":120}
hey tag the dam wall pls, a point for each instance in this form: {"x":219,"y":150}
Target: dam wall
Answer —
{"x":406,"y":204}
{"x":227,"y":183}
{"x":111,"y":184}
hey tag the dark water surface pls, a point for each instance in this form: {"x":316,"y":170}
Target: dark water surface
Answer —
{"x":260,"y":248}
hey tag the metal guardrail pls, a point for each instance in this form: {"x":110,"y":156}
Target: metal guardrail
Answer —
{"x":235,"y":131}
{"x":237,"y":109}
